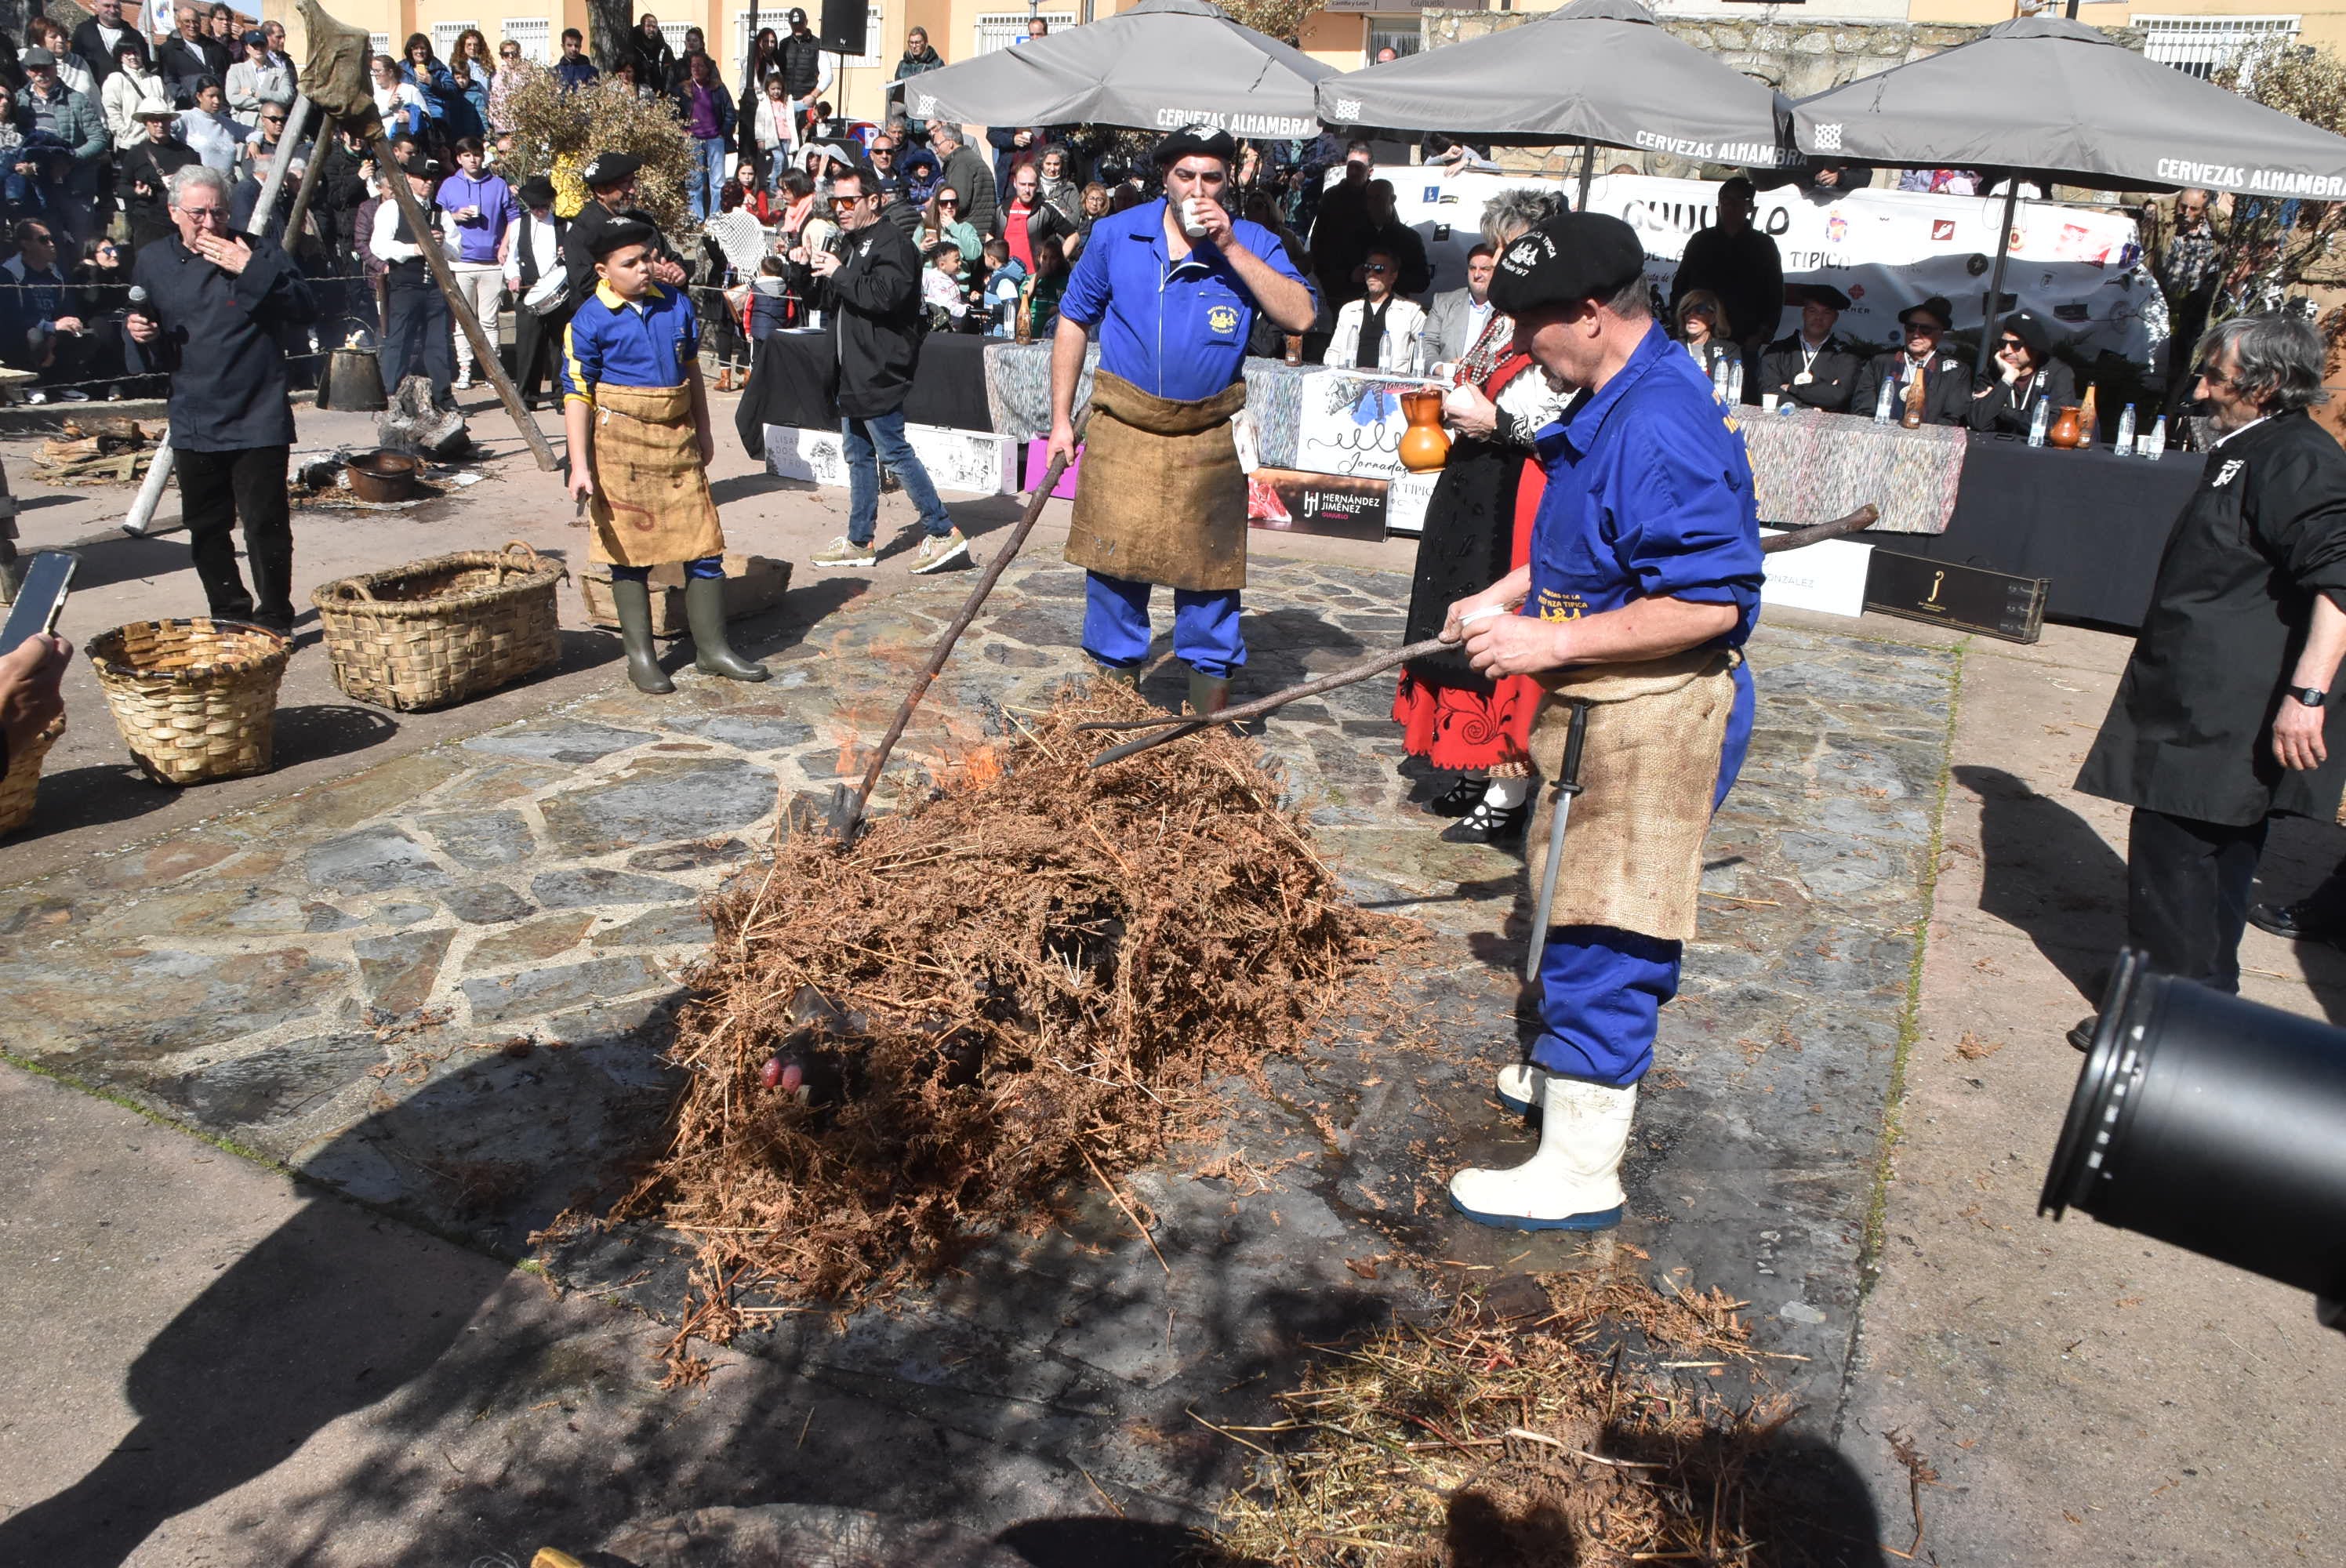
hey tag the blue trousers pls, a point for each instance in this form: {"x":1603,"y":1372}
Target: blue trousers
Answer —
{"x":707,"y":567}
{"x":869,"y":442}
{"x":708,"y":176}
{"x":1602,"y":988}
{"x":1204,"y":624}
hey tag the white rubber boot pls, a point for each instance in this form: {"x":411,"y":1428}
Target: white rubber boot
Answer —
{"x":1574,"y":1183}
{"x":1522,"y":1086}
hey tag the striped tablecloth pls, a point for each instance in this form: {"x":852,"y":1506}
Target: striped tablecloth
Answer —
{"x":1811,"y":467}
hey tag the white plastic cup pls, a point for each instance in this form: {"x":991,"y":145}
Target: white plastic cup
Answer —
{"x":1193,"y":222}
{"x":1767,"y":402}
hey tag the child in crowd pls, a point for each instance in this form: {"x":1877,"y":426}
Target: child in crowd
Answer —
{"x":637,"y":413}
{"x":1004,"y":280}
{"x":941,"y":288}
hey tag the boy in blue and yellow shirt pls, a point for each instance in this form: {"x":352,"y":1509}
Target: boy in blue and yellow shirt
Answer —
{"x":637,"y":417}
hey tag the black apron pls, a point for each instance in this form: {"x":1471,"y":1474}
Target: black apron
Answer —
{"x":1467,"y":545}
{"x":2190,"y":730}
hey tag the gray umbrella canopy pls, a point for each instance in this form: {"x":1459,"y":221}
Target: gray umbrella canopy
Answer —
{"x":1163,"y":64}
{"x":1596,"y":70}
{"x":2058,"y":97}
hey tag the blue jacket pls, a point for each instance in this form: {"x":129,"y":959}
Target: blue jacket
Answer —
{"x":719,"y":98}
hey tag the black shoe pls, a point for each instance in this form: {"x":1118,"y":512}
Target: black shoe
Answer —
{"x":1460,"y":798}
{"x":1487,"y":824}
{"x":2289,"y":921}
{"x":2081,"y":1032}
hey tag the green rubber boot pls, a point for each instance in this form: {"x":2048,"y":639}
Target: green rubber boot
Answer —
{"x":1125,"y":675}
{"x":704,"y":612}
{"x":1208,"y":693}
{"x":634,"y":600}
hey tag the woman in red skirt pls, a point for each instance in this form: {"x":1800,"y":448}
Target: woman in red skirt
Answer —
{"x":1478,"y":528}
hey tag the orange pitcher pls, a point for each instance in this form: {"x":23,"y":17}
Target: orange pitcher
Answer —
{"x":1424,"y":445}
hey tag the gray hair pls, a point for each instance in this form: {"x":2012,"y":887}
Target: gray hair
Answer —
{"x":2278,"y":358}
{"x":197,"y":174}
{"x":1512,"y":214}
{"x":951,"y":133}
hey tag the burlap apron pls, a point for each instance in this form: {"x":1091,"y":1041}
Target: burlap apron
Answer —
{"x":651,"y":502}
{"x":1633,"y":855}
{"x":1162,"y":498}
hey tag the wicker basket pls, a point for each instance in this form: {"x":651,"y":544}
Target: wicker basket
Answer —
{"x":439,"y":631}
{"x":194,"y":699}
{"x":23,"y":780}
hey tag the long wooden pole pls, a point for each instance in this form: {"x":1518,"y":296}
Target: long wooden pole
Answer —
{"x":387,"y":168}
{"x":847,"y":809}
{"x":309,"y":185}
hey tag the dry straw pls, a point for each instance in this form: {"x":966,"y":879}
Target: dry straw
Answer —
{"x":1038,"y":969}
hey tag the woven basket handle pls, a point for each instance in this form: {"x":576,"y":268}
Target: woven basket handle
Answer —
{"x":537,"y":563}
{"x":350,"y":588}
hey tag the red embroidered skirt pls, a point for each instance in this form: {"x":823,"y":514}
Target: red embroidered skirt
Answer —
{"x":1462,"y":729}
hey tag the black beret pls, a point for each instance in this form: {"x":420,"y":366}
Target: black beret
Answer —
{"x":1936,"y":306}
{"x":536,"y":191}
{"x":1823,"y":294}
{"x":1195,"y":141}
{"x":627,"y":231}
{"x":610,"y":168}
{"x":1572,"y":257}
{"x":2030,"y":329}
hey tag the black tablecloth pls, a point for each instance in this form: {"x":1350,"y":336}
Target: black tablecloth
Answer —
{"x":2092,"y":523}
{"x":794,"y":381}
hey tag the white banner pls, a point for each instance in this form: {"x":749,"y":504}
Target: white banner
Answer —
{"x":1884,"y":248}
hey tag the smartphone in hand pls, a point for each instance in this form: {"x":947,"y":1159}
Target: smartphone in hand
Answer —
{"x":40,"y":599}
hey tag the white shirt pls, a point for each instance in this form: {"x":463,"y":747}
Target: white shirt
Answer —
{"x":384,"y":245}
{"x":1478,"y":320}
{"x":1404,"y":325}
{"x":213,"y":138}
{"x":543,"y":249}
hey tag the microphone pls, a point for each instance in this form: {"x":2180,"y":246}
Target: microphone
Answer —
{"x":137,"y":300}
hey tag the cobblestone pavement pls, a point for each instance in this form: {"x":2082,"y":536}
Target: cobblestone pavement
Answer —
{"x":439,"y":987}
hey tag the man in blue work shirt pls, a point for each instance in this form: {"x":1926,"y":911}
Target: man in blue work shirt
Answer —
{"x":1643,"y":584}
{"x":1173,"y":286}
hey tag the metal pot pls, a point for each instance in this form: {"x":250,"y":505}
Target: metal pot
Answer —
{"x":353,"y":381}
{"x":381,"y":476}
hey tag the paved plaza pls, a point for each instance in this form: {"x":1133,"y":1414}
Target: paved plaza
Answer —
{"x":321,"y":1059}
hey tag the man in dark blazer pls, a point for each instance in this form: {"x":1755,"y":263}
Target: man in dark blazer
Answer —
{"x":1946,"y":380}
{"x":1812,"y":367}
{"x":101,"y":37}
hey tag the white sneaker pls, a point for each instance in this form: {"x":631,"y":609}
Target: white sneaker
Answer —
{"x":73,"y":395}
{"x":844,"y":552}
{"x":1574,"y":1183}
{"x":1521,"y":1085}
{"x":464,"y":380}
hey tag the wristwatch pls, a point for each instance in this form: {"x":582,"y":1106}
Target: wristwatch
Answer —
{"x":2309,"y":696}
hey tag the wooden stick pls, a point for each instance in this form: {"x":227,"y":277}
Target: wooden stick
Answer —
{"x":387,"y":168}
{"x":847,"y":811}
{"x":309,"y":171}
{"x":1181,"y":723}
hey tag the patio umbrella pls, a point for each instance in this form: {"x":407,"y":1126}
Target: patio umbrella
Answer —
{"x":1163,"y":64}
{"x":2055,"y":97}
{"x":1594,"y":72}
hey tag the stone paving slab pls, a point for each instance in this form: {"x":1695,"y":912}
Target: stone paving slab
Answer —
{"x":441,"y":987}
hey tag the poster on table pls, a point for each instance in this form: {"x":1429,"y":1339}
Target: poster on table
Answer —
{"x":1353,"y":424}
{"x":2079,"y":266}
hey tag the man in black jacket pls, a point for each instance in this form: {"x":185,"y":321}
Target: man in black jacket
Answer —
{"x":2221,"y":719}
{"x":143,"y":175}
{"x":804,"y":72}
{"x":215,"y":303}
{"x":610,"y":182}
{"x":1740,"y":264}
{"x":871,"y":285}
{"x":1397,"y":239}
{"x":2022,"y":376}
{"x":1811,"y":367}
{"x":649,"y":47}
{"x":1946,"y":380}
{"x":100,"y":38}
{"x":960,"y":167}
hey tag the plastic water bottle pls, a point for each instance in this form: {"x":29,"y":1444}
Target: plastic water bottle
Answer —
{"x":2126,"y":432}
{"x":1734,"y":381}
{"x":2038,"y":422}
{"x":1719,"y":381}
{"x":1882,"y":405}
{"x":2154,"y":445}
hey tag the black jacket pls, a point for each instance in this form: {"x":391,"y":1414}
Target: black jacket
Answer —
{"x":1946,"y":387}
{"x":802,"y":62}
{"x":180,"y":64}
{"x":339,"y":194}
{"x":2009,"y":408}
{"x":653,"y":57}
{"x":219,"y":344}
{"x":1745,"y":271}
{"x":1833,"y":374}
{"x":149,"y":164}
{"x":875,"y":299}
{"x":2190,"y":732}
{"x":101,"y":60}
